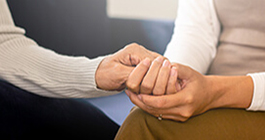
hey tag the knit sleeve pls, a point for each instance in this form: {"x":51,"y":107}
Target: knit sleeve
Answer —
{"x":44,"y":72}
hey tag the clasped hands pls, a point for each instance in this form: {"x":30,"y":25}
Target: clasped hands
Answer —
{"x":154,"y":84}
{"x":176,"y":91}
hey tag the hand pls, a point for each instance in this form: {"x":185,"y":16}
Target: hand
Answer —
{"x":199,"y":93}
{"x":158,"y":79}
{"x":114,"y":70}
{"x":191,"y":100}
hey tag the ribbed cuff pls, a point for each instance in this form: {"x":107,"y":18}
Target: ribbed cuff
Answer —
{"x":258,"y":99}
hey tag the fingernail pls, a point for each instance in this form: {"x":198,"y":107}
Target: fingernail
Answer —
{"x":173,"y":71}
{"x":127,"y":92}
{"x":159,"y":59}
{"x":147,"y":62}
{"x":140,"y":96}
{"x":166,"y":63}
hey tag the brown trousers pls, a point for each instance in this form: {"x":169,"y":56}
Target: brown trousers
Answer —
{"x":218,"y":124}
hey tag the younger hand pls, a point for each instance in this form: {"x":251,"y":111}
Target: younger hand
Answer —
{"x":193,"y":98}
{"x":159,"y":78}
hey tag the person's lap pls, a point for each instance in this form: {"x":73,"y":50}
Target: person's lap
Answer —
{"x":228,"y":124}
{"x":26,"y":115}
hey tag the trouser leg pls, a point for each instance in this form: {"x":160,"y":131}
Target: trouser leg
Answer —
{"x":26,"y":115}
{"x":218,"y":124}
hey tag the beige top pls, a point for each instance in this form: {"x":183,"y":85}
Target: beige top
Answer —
{"x":31,"y":67}
{"x":196,"y":39}
{"x":241,"y":48}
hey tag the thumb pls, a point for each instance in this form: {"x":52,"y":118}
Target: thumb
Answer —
{"x":135,"y":60}
{"x":124,"y":72}
{"x":184,"y":72}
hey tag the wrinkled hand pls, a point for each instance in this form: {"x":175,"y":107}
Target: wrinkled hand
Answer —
{"x":194,"y":97}
{"x":114,"y":70}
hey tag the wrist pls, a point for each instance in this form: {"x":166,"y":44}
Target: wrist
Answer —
{"x":231,"y":91}
{"x":100,"y":74}
{"x":216,"y":90}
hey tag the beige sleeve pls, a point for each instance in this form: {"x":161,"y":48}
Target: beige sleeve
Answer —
{"x":31,"y":67}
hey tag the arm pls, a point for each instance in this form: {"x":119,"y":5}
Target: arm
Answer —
{"x":198,"y":94}
{"x":39,"y":70}
{"x":195,"y":35}
{"x":195,"y":39}
{"x":46,"y":73}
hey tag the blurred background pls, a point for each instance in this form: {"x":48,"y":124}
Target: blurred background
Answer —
{"x":142,"y":9}
{"x":97,"y":27}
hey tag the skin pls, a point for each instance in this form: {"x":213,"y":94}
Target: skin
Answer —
{"x":153,"y":79}
{"x":113,"y":71}
{"x":197,"y":94}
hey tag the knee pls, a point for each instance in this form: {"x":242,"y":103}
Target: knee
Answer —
{"x":135,"y":126}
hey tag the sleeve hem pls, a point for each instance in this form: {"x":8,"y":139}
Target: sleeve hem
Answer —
{"x":257,"y":103}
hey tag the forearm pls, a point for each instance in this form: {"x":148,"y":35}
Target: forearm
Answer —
{"x":47,"y":73}
{"x":195,"y":35}
{"x":231,"y":91}
{"x":42,"y":71}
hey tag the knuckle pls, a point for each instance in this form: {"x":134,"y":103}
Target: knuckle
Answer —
{"x":134,"y":44}
{"x":146,"y":87}
{"x":186,"y":114}
{"x":134,"y":47}
{"x":189,"y":99}
{"x":176,"y":65}
{"x":145,"y":66}
{"x":131,"y":85}
{"x":158,"y":91}
{"x":157,"y":62}
{"x":131,"y":45}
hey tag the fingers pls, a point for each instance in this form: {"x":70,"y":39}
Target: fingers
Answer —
{"x":149,"y":80}
{"x":136,"y":76}
{"x":165,"y":101}
{"x":184,"y":72}
{"x":159,"y":79}
{"x":136,"y":53}
{"x":111,"y":75}
{"x":173,"y":117}
{"x":162,"y":79}
{"x":118,"y":77}
{"x":172,"y":82}
{"x":167,"y":113}
{"x":136,"y":100}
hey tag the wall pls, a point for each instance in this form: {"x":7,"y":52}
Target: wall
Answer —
{"x":142,"y":9}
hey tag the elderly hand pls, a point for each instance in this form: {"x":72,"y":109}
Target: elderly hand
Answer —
{"x":198,"y":94}
{"x":114,"y":70}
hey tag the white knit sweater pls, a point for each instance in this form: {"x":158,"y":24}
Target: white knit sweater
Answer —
{"x":31,"y":67}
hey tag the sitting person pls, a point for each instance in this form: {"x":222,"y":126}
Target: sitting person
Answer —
{"x":27,"y":68}
{"x":223,"y":39}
